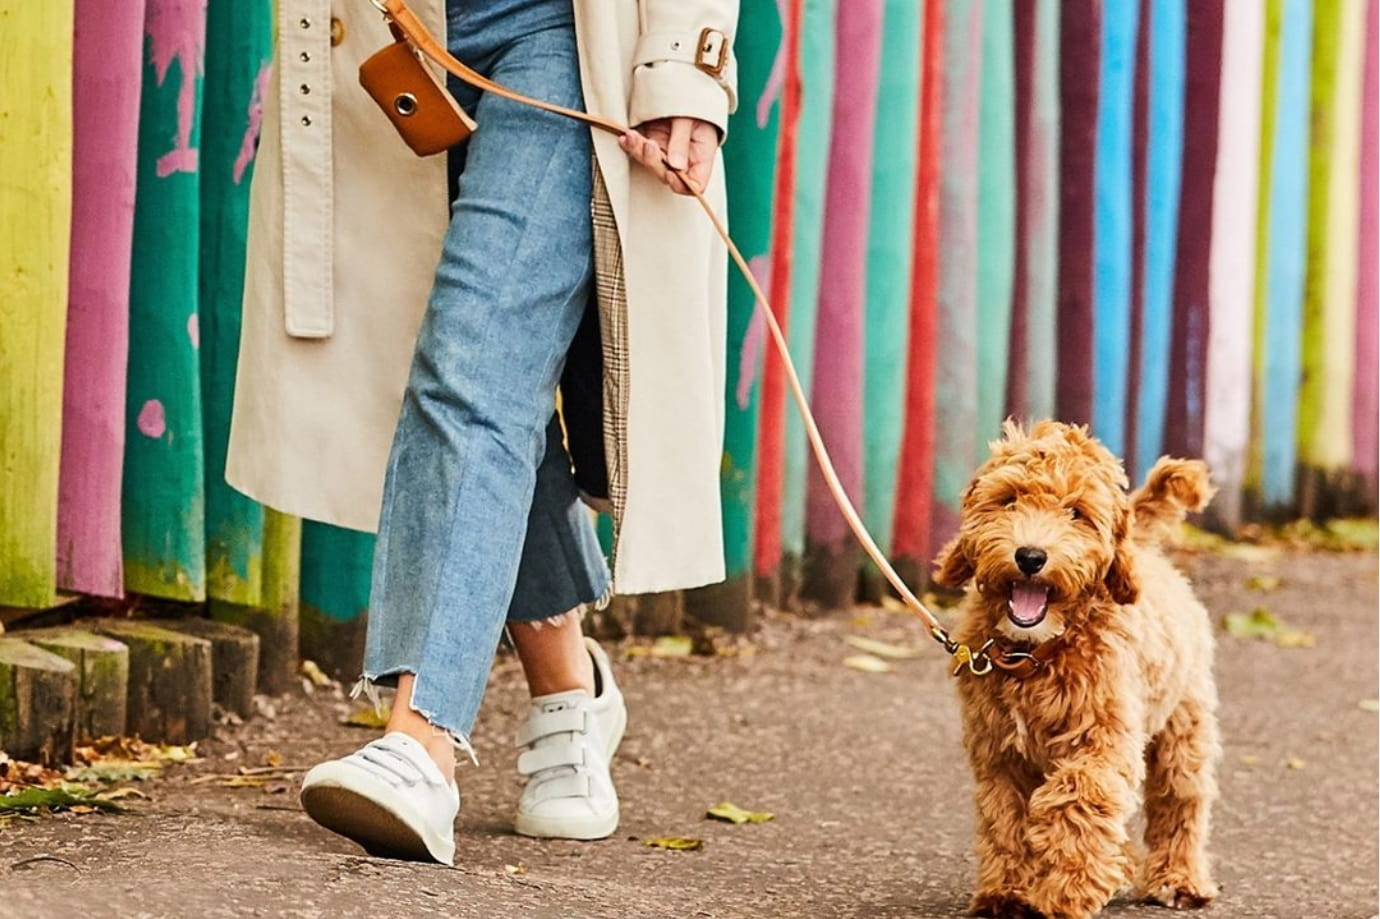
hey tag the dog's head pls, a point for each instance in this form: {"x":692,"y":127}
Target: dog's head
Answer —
{"x":1044,"y":531}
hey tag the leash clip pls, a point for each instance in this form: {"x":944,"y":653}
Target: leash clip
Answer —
{"x":978,"y":663}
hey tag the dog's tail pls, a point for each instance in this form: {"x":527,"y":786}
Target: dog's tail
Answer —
{"x":1171,"y":490}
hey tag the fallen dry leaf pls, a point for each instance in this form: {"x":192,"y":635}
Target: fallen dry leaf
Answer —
{"x":893,"y":605}
{"x":116,"y":794}
{"x":1250,"y":760}
{"x":882,"y":648}
{"x":116,"y":770}
{"x":1265,"y":583}
{"x":36,"y":801}
{"x":311,"y":671}
{"x":515,"y":870}
{"x":242,"y":781}
{"x":678,"y":843}
{"x":1262,"y":624}
{"x":867,"y":663}
{"x":132,"y":749}
{"x":1369,"y":705}
{"x":665,"y":646}
{"x":732,"y":813}
{"x":1293,"y":762}
{"x":368,"y":717}
{"x":273,"y":758}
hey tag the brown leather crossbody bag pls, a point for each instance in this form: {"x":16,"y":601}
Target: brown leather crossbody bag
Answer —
{"x":413,"y":98}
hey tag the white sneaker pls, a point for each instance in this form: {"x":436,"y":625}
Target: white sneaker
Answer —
{"x":390,"y":797}
{"x":568,"y":741}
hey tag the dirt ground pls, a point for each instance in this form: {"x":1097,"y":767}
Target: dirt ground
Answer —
{"x":863,"y":772}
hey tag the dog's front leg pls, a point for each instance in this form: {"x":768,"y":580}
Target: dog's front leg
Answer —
{"x":1077,"y":827}
{"x":1004,"y":860}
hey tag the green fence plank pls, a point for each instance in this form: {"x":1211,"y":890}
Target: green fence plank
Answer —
{"x":239,"y":46}
{"x":750,"y":168}
{"x":996,"y":230}
{"x":890,"y":245}
{"x":337,"y":567}
{"x":164,"y":497}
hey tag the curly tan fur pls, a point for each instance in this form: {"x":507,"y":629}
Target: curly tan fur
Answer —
{"x":1125,"y":711}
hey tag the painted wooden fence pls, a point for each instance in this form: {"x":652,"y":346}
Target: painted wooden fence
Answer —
{"x":815,"y":127}
{"x":164,"y":495}
{"x":890,"y":253}
{"x":237,"y":70}
{"x":831,"y":559}
{"x":107,"y":72}
{"x":1155,"y":216}
{"x":35,"y":216}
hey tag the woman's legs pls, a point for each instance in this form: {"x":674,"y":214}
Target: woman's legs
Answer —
{"x":561,"y":571}
{"x":472,"y":448}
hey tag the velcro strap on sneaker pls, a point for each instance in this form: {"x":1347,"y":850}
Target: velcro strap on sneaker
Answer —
{"x":549,"y":755}
{"x":562,"y":786}
{"x":548,"y":723}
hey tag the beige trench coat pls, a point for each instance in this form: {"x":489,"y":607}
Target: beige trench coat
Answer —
{"x":345,"y":233}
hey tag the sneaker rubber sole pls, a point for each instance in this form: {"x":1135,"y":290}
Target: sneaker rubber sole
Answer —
{"x":372,"y":824}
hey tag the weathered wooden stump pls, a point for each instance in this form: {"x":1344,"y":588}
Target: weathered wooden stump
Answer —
{"x":234,"y":661}
{"x":38,"y":698}
{"x":170,"y":683}
{"x":102,"y":677}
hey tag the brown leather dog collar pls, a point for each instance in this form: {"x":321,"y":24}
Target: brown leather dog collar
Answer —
{"x":1019,"y":662}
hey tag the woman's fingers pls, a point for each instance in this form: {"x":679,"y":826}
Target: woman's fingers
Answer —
{"x":678,"y":152}
{"x":646,"y":151}
{"x":704,"y":146}
{"x":670,"y":144}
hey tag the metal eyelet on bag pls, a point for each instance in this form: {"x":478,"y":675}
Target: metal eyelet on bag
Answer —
{"x":405,"y":104}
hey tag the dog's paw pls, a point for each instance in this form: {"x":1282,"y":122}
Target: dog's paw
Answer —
{"x":1002,"y":906}
{"x":1179,"y":896}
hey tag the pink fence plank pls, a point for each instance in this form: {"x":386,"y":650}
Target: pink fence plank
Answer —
{"x":106,"y":74}
{"x":831,"y":565}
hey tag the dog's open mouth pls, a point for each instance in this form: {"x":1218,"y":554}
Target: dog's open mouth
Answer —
{"x":1028,"y":604}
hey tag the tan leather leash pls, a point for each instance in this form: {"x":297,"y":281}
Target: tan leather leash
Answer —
{"x":985,"y":659}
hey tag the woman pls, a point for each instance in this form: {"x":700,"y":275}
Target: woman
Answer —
{"x":549,"y":271}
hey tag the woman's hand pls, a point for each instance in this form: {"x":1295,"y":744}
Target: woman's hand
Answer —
{"x":685,"y":143}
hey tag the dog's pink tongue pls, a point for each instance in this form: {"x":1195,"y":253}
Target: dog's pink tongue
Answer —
{"x":1028,"y":603}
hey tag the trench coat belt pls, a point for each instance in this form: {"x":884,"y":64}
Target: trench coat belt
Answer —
{"x":304,"y":98}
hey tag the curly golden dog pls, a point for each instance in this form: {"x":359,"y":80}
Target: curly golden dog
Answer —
{"x":1064,"y":562}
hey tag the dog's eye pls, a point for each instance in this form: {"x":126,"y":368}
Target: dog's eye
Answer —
{"x":1009,"y":501}
{"x":1075,"y":513}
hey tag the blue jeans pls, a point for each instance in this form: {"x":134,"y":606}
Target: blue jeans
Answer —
{"x":481,"y":521}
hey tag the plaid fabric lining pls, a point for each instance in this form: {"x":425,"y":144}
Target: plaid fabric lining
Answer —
{"x":613,"y":320}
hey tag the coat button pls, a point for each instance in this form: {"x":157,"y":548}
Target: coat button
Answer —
{"x":304,"y":57}
{"x":306,"y":121}
{"x":304,"y":22}
{"x":337,"y":31}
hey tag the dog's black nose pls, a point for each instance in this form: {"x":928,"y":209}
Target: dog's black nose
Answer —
{"x":1030,"y":559}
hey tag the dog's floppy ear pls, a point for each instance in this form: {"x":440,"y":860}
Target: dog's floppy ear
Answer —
{"x":953,"y":568}
{"x":1122,"y":581}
